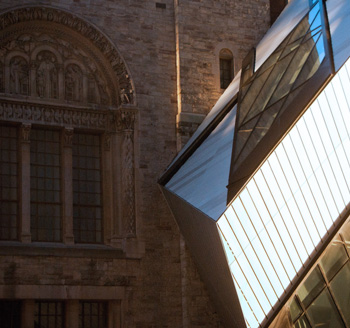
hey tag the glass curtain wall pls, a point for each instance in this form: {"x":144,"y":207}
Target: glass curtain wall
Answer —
{"x":288,"y":207}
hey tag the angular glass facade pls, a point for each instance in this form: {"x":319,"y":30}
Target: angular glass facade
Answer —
{"x":282,"y":216}
{"x":285,"y":178}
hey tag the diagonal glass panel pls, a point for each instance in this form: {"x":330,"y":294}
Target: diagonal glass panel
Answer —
{"x":294,"y":69}
{"x":269,"y":87}
{"x":272,"y":60}
{"x":298,"y":194}
{"x":323,"y":312}
{"x":311,"y":66}
{"x":244,"y":133}
{"x":244,"y":90}
{"x":254,"y":90}
{"x":341,"y":294}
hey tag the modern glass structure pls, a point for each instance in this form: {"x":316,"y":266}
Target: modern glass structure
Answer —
{"x":262,"y":189}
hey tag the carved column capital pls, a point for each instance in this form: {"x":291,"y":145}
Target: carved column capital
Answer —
{"x":25,"y":133}
{"x":125,"y":119}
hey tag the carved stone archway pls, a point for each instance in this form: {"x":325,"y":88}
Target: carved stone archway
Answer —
{"x":57,"y":69}
{"x":71,"y":32}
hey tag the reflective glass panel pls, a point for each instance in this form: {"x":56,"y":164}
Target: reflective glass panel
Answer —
{"x":311,"y":287}
{"x":333,"y":259}
{"x":340,"y":287}
{"x":323,"y":313}
{"x":302,"y":323}
{"x":295,"y":309}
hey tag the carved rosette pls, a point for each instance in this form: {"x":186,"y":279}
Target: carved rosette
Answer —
{"x":126,"y":120}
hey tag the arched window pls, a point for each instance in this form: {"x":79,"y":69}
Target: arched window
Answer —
{"x":226,"y":68}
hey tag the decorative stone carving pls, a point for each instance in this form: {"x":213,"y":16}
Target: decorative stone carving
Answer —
{"x":90,"y":33}
{"x":46,"y":75}
{"x":19,"y":76}
{"x":73,"y":83}
{"x":126,"y":122}
{"x":25,"y":133}
{"x":2,"y":80}
{"x":107,"y":141}
{"x":68,"y":137}
{"x":54,"y":115}
{"x":129,"y":223}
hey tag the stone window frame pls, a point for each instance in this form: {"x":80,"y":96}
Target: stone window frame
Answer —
{"x":115,"y":121}
{"x":117,"y":151}
{"x":70,"y":296}
{"x":226,"y":62}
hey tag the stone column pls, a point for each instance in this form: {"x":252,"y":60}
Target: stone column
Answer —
{"x":32,"y":78}
{"x":61,"y":90}
{"x":72,"y":314}
{"x":107,"y":187}
{"x":67,"y":186}
{"x":24,"y":185}
{"x":114,"y":314}
{"x":116,"y":222}
{"x":27,"y":315}
{"x":128,"y":174}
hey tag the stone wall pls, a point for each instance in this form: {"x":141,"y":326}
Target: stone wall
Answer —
{"x":171,"y":50}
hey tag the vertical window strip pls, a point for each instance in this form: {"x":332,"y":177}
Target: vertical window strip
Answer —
{"x":45,"y":184}
{"x":246,"y":268}
{"x":87,"y":194}
{"x":8,"y":183}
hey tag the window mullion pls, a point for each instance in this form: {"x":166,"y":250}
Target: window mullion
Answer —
{"x":67,"y":186}
{"x":24,"y":179}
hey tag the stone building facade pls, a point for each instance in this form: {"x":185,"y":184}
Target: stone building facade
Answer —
{"x":96,"y":98}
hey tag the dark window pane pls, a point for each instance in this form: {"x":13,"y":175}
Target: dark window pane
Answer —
{"x":10,"y":314}
{"x":302,"y":323}
{"x":334,"y":257}
{"x":87,"y":202}
{"x":295,"y":309}
{"x":48,"y":314}
{"x":45,"y":185}
{"x":323,"y":313}
{"x":8,"y":183}
{"x":340,"y":286}
{"x":93,"y":315}
{"x":226,"y":72}
{"x":311,"y":287}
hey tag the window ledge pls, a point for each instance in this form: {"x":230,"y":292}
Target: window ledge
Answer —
{"x":61,"y":250}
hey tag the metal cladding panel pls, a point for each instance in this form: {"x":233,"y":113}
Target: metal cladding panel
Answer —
{"x":203,"y":240}
{"x":339,"y":21}
{"x":285,"y":23}
{"x":203,"y":178}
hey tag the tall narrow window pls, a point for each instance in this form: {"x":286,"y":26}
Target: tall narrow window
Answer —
{"x":8,"y":183}
{"x":45,"y":192}
{"x":93,"y":315}
{"x":49,"y":314}
{"x":226,"y":68}
{"x":87,"y":200}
